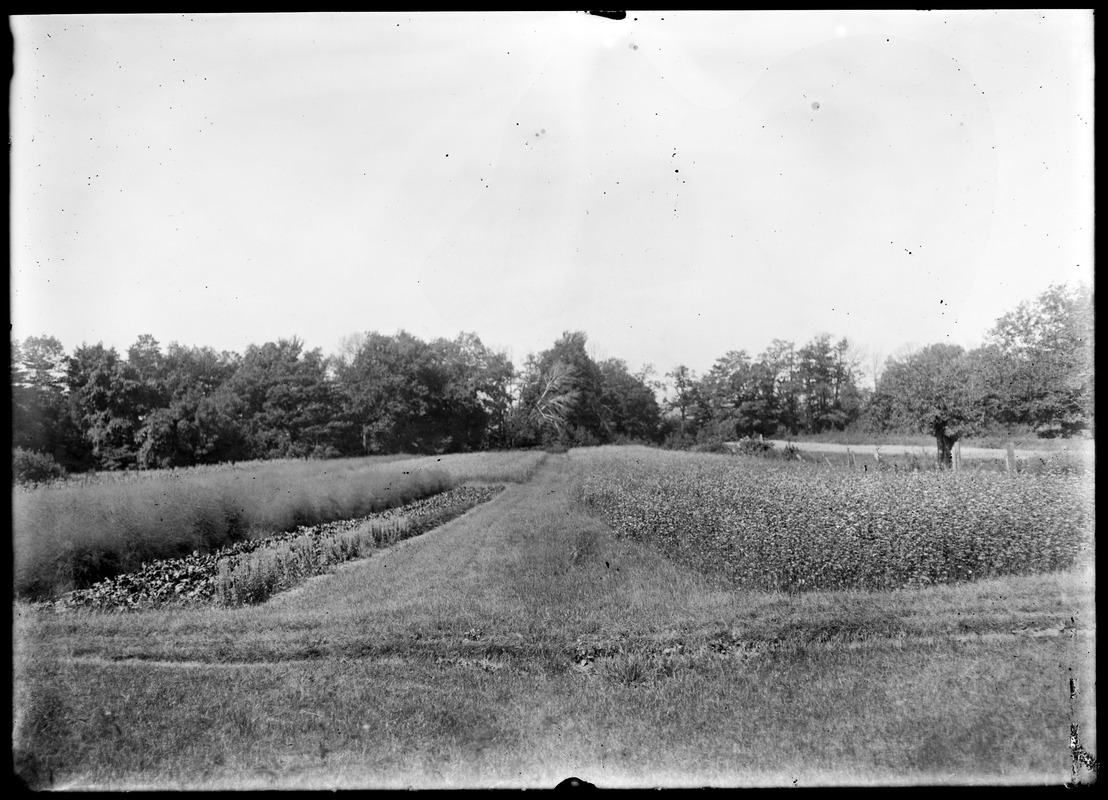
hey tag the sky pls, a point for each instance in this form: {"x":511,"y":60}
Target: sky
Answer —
{"x":675,"y":184}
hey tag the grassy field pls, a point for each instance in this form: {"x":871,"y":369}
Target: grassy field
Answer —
{"x":1021,"y":439}
{"x":1074,"y":457}
{"x":525,"y":642}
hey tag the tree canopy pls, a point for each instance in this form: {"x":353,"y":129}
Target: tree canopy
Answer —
{"x":182,"y":405}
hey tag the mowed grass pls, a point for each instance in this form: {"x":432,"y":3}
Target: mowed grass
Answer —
{"x":523,"y":643}
{"x":69,"y":536}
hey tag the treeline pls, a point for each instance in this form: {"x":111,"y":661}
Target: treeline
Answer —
{"x":1033,"y":373}
{"x":181,"y":406}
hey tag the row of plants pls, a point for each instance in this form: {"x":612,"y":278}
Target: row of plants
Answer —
{"x":70,"y":538}
{"x":252,"y":571}
{"x":71,"y":534}
{"x":792,"y":526}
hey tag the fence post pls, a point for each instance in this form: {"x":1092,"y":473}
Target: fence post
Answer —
{"x":957,"y":457}
{"x":1010,"y":457}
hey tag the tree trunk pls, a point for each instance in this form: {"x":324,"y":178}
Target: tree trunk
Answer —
{"x":945,"y":447}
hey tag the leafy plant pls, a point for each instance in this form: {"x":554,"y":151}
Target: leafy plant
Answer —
{"x":251,"y":571}
{"x":749,"y":446}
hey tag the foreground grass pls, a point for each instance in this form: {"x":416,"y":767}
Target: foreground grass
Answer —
{"x":523,"y":643}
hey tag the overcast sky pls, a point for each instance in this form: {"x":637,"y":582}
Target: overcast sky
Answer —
{"x":677,"y":185}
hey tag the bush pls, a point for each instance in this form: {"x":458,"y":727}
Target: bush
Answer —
{"x":754,"y":447}
{"x":678,"y":440}
{"x":30,"y":467}
{"x":714,"y":446}
{"x":268,"y":570}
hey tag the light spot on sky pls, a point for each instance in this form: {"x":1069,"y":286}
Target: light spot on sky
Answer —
{"x":675,"y":188}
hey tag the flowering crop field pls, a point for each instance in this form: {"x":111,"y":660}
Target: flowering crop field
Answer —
{"x":795,"y":527}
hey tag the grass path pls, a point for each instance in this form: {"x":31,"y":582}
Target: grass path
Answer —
{"x":522,"y":643}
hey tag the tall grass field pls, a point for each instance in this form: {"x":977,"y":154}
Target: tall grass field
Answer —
{"x":70,"y":535}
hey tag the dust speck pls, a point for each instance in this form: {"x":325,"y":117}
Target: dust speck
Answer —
{"x":815,"y":106}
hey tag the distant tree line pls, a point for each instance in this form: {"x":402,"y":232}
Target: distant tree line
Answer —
{"x":179,"y":406}
{"x":1033,"y":373}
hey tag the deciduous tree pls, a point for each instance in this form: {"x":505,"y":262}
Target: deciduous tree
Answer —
{"x":1041,"y":362}
{"x":938,"y":390}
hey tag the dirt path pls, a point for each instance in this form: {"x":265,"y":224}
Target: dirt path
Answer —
{"x":1077,"y":448}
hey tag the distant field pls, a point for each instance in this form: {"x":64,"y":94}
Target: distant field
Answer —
{"x":1022,"y":440}
{"x":1076,"y":448}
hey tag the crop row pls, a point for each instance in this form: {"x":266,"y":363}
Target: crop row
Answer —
{"x":70,"y":535}
{"x":251,"y":571}
{"x":794,"y":527}
{"x":70,"y":538}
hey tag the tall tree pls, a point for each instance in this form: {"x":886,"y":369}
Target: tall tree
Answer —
{"x":827,"y":378}
{"x":1041,"y":362}
{"x":550,"y":400}
{"x":284,"y":400}
{"x":779,"y":359}
{"x":176,"y":433}
{"x":476,"y":395}
{"x":938,"y":390}
{"x":40,"y":410}
{"x":107,"y":400}
{"x":567,"y":377}
{"x":403,"y":394}
{"x":684,"y":400}
{"x":630,"y":404}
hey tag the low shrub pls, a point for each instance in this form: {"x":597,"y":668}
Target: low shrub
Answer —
{"x":254,"y":578}
{"x":749,"y":446}
{"x":30,"y":467}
